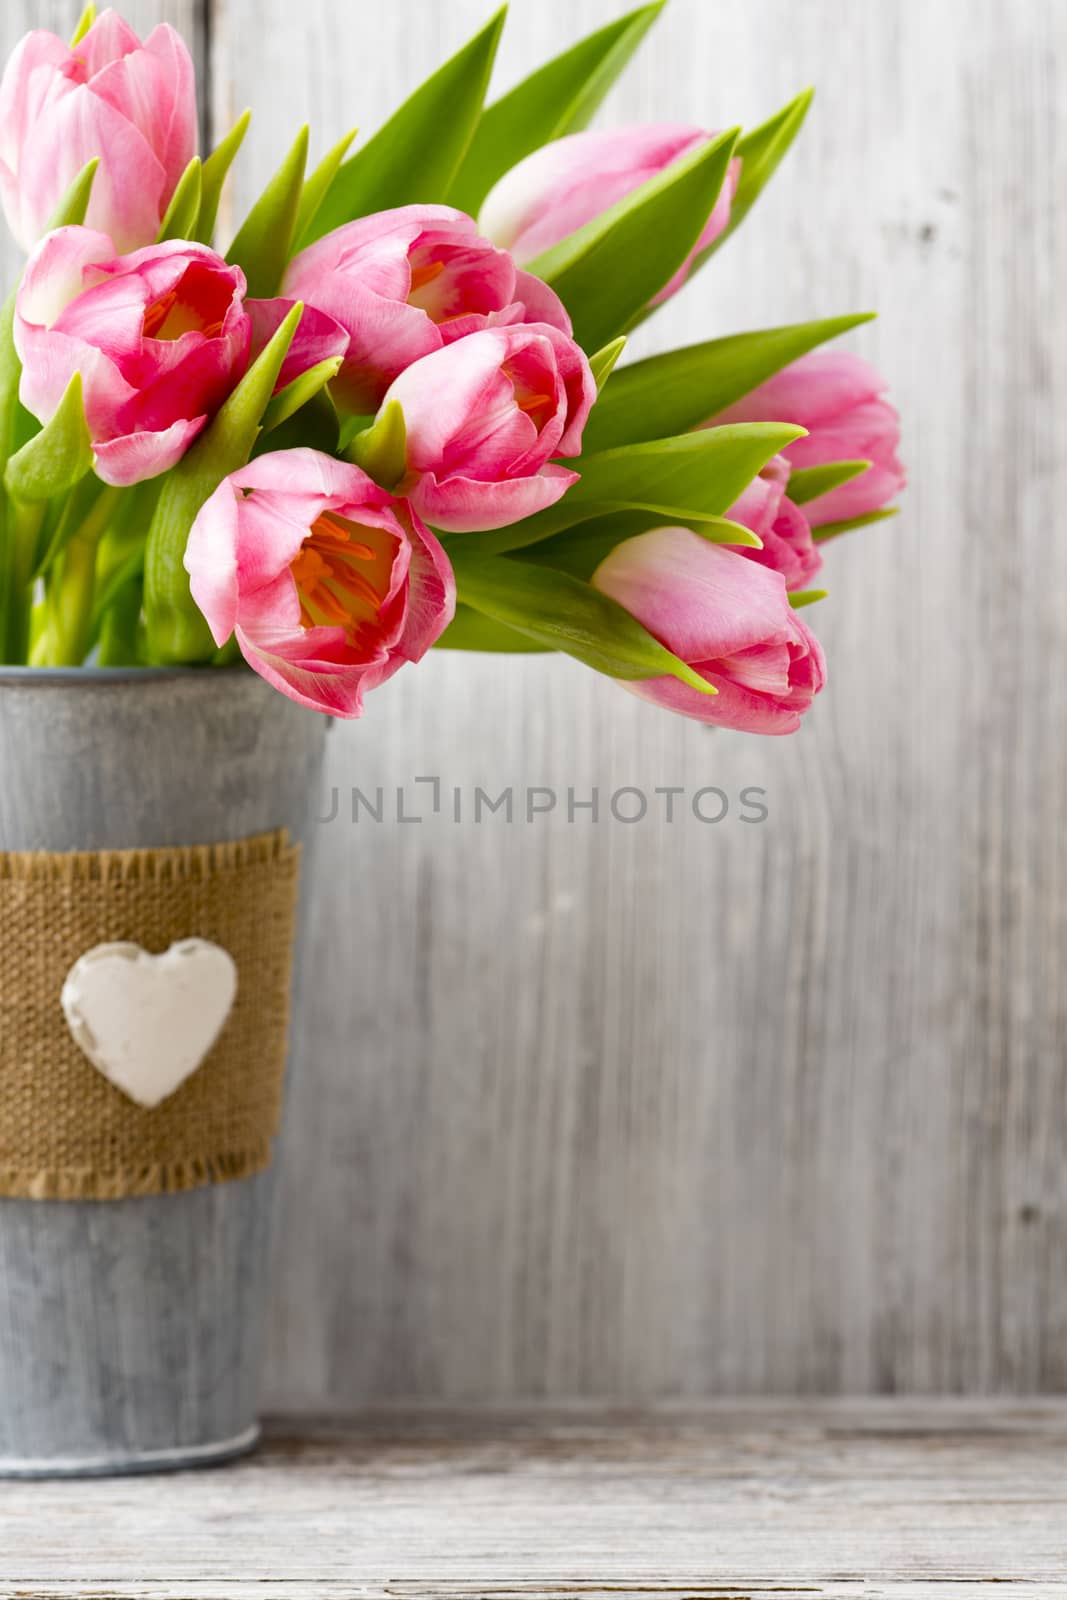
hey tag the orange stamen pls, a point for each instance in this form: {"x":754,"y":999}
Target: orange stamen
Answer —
{"x":423,"y":275}
{"x":340,"y":578}
{"x":533,"y":402}
{"x":157,"y":313}
{"x":169,"y":317}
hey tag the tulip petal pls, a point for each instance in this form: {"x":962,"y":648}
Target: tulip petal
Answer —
{"x":317,"y":682}
{"x":127,"y":197}
{"x":109,"y":39}
{"x":431,"y":601}
{"x":139,"y":456}
{"x":177,"y":114}
{"x":466,"y":505}
{"x":318,"y":337}
{"x":701,"y":600}
{"x":730,"y":707}
{"x":541,"y":302}
{"x":31,"y":80}
{"x":560,"y":187}
{"x":50,"y":360}
{"x":810,"y":391}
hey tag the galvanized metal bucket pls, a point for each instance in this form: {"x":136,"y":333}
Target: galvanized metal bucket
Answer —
{"x":131,"y":1330}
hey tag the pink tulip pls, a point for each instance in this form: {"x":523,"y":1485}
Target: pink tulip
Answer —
{"x":837,"y":396}
{"x":728,"y":618}
{"x":404,"y":283}
{"x":788,"y":546}
{"x":159,"y":337}
{"x":131,"y":104}
{"x":484,"y":418}
{"x":564,"y":185}
{"x":328,"y":583}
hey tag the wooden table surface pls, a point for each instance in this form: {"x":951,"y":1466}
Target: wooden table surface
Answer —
{"x":840,"y":1498}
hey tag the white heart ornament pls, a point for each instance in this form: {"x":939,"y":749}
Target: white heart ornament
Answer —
{"x":148,"y":1022}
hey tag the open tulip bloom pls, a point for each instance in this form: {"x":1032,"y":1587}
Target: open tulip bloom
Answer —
{"x":392,"y":414}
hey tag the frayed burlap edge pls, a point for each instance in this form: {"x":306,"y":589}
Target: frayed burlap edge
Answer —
{"x":182,"y":862}
{"x":163,"y":1178}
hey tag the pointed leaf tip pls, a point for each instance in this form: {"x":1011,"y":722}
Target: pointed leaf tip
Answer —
{"x":415,"y":156}
{"x":213,"y":177}
{"x":58,"y":457}
{"x":85,"y":22}
{"x":74,"y":205}
{"x":263,"y":243}
{"x":558,"y":98}
{"x":381,"y":449}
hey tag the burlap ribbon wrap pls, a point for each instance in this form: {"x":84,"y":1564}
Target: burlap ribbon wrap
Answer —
{"x":65,"y":1131}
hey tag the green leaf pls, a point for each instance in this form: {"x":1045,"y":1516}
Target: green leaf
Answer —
{"x":469,"y":630}
{"x":559,"y":98}
{"x":831,"y":530}
{"x":806,"y":597}
{"x":176,"y":630}
{"x":565,"y":614}
{"x":58,"y":457}
{"x":72,"y":209}
{"x":808,"y":483}
{"x":10,"y":375}
{"x":214,"y":174}
{"x":381,"y":449}
{"x":316,"y":187}
{"x":760,"y":152}
{"x":671,"y":393}
{"x":607,"y":271}
{"x":184,"y":210}
{"x":85,"y":22}
{"x":416,"y":155}
{"x":696,"y":476}
{"x":264,"y":241}
{"x":288,"y":401}
{"x":581,"y":549}
{"x":603,"y":363}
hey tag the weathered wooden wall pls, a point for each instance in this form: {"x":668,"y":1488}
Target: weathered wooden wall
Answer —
{"x":689,"y":1109}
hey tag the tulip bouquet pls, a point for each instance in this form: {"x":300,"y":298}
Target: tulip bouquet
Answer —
{"x":389,"y":416}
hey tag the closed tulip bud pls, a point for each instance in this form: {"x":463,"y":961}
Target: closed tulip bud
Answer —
{"x":729,"y":618}
{"x":484,"y":418}
{"x":131,"y":105}
{"x":559,"y":188}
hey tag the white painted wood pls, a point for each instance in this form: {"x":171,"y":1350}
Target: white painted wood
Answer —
{"x":683,"y":1109}
{"x":680,"y":1108}
{"x":899,"y":1500}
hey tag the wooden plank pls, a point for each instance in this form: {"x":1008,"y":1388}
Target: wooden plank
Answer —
{"x":671,"y":1108}
{"x":828,"y":1500}
{"x":677,"y":1108}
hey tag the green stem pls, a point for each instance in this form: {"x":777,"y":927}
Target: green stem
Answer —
{"x":121,"y":628}
{"x":71,"y":587}
{"x":22,"y":524}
